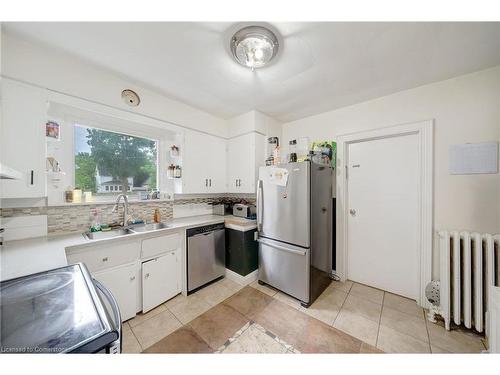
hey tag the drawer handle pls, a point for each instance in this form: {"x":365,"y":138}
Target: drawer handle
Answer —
{"x":105,"y":259}
{"x":146,"y":275}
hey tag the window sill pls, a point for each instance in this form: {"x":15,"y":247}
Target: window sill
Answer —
{"x":108,"y":202}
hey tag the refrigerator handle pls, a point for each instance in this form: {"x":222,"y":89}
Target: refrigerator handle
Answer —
{"x":260,"y":207}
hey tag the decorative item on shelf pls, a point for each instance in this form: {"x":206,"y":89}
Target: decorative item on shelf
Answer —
{"x":293,"y":151}
{"x":171,"y":171}
{"x":68,"y":195}
{"x":87,"y":196}
{"x":174,"y":151}
{"x":302,"y":149}
{"x":272,"y":144}
{"x":53,"y":165}
{"x":324,"y":152}
{"x":178,"y":172}
{"x":52,"y":130}
{"x":77,"y":195}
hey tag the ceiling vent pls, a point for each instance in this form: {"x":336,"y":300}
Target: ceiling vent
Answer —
{"x":130,"y":98}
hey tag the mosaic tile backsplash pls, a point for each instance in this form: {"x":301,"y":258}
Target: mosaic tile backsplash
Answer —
{"x":65,"y":219}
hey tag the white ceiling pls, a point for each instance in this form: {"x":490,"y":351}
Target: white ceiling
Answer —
{"x":322,"y":66}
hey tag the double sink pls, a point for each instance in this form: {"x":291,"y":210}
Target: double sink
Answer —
{"x":123,"y":231}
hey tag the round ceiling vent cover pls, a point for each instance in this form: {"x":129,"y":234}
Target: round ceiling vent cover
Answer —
{"x":130,"y":98}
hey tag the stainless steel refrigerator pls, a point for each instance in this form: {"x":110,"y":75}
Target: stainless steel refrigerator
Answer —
{"x":294,"y":219}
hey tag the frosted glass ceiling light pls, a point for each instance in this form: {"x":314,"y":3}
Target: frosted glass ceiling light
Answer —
{"x":254,"y":46}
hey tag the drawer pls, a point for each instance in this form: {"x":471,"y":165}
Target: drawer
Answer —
{"x":102,"y":257}
{"x":158,"y":245}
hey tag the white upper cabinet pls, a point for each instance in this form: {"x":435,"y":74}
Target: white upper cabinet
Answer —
{"x":244,"y":156}
{"x":22,"y":139}
{"x":204,"y":164}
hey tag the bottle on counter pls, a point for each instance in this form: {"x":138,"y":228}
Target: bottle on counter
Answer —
{"x":156,"y":216}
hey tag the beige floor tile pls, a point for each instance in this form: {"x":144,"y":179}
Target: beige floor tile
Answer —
{"x":327,"y":306}
{"x":130,"y":345}
{"x":139,"y":318}
{"x":335,"y":295}
{"x":369,"y":349}
{"x":155,"y":328}
{"x":454,"y":341}
{"x":270,"y":291}
{"x":361,"y":306}
{"x":254,"y":340}
{"x":403,"y":304}
{"x":215,"y":293}
{"x":231,"y":285}
{"x":343,"y":286}
{"x":174,"y":301}
{"x":367,"y":292}
{"x":437,"y":350}
{"x":290,"y":301}
{"x":404,"y":323}
{"x":358,"y":326}
{"x":189,"y":308}
{"x":391,"y":341}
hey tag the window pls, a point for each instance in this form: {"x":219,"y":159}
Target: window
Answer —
{"x":107,"y":163}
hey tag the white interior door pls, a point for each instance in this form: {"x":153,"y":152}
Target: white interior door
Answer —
{"x":382,"y":224}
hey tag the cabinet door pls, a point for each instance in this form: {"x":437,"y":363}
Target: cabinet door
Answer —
{"x":160,"y":280}
{"x":122,"y":283}
{"x":22,"y":139}
{"x":241,"y":161}
{"x":195,"y":170}
{"x":217,"y":164}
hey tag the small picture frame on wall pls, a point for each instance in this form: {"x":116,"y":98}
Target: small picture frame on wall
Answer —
{"x":52,"y":130}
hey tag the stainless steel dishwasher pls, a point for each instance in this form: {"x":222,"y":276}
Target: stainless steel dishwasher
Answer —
{"x":206,"y":255}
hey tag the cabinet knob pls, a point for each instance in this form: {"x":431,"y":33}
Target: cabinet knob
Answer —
{"x":146,"y":275}
{"x":105,"y":259}
{"x":132,"y":278}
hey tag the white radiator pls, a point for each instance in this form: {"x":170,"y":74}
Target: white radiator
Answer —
{"x":468,"y":269}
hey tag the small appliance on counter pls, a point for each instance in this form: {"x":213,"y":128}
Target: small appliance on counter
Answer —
{"x":244,"y":210}
{"x":58,"y":311}
{"x":222,"y":207}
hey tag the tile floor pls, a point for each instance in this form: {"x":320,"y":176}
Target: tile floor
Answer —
{"x":226,"y":317}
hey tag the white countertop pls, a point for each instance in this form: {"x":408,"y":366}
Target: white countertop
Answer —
{"x":23,"y":257}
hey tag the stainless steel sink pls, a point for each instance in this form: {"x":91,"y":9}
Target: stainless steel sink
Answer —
{"x":147,"y":227}
{"x":109,"y":234}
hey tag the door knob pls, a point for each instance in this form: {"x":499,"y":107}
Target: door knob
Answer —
{"x":352,"y":211}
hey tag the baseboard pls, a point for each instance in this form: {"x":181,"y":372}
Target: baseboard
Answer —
{"x":242,"y":280}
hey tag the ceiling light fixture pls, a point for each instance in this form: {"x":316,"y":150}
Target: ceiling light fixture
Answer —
{"x":254,"y":46}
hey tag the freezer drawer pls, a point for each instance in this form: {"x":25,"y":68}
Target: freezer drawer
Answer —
{"x":285,"y":267}
{"x":205,"y":258}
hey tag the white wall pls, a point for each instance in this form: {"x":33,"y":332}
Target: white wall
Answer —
{"x":56,"y":70}
{"x":254,"y":121}
{"x":465,"y":109}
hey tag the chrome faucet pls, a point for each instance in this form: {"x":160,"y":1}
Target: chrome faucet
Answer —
{"x":125,"y":208}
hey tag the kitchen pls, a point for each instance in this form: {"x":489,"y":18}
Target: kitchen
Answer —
{"x":201,"y":202}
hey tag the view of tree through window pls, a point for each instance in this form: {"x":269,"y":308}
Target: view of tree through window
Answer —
{"x":108,"y":163}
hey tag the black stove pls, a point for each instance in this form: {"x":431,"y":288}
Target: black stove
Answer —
{"x":58,"y":311}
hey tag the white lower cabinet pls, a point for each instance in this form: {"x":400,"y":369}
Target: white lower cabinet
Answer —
{"x":122,"y":282}
{"x":141,"y":274}
{"x":160,"y":280}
